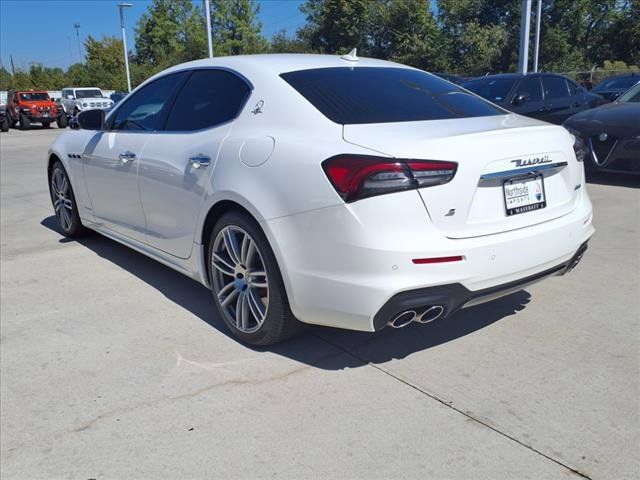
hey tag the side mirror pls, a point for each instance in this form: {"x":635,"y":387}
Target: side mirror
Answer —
{"x":91,"y":119}
{"x":520,"y":98}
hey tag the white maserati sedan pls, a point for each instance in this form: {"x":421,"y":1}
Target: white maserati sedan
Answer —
{"x":340,"y":191}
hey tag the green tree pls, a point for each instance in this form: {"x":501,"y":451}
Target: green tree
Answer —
{"x":170,"y":32}
{"x":236,"y":29}
{"x":282,"y":43}
{"x":105,"y":63}
{"x":337,"y":26}
{"x":7,"y":81}
{"x":405,"y":31}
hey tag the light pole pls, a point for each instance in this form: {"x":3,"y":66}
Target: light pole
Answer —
{"x":537,"y":50}
{"x":122,"y":6}
{"x":77,"y":27}
{"x":525,"y":19}
{"x":207,"y":14}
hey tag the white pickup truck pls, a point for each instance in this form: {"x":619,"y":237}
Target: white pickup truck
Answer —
{"x":75,"y":100}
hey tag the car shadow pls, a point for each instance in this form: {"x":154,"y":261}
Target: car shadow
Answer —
{"x":613,"y":179}
{"x":321,"y":347}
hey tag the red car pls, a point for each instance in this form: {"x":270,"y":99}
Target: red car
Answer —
{"x":27,"y":107}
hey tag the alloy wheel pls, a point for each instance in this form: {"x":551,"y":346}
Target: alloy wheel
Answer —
{"x":62,"y":199}
{"x":240,"y":279}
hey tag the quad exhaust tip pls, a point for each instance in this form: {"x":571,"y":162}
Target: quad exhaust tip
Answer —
{"x":429,"y":315}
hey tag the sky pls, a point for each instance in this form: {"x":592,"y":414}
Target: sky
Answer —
{"x":42,"y":31}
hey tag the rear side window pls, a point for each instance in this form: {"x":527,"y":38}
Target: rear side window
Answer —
{"x":357,"y":95}
{"x":554,"y":87}
{"x":208,"y":98}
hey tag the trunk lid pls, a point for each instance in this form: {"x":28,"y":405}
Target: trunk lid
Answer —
{"x":489,"y":152}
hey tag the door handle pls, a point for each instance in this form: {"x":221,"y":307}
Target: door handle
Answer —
{"x":126,"y":157}
{"x":576,"y":104}
{"x":200,"y":160}
{"x":544,"y":109}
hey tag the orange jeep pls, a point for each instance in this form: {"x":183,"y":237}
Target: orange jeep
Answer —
{"x":31,"y":106}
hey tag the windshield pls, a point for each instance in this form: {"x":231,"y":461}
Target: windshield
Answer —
{"x":494,"y":89}
{"x":618,"y":83}
{"x":631,"y":95}
{"x":358,"y":95}
{"x":31,"y":96}
{"x":94,"y":93}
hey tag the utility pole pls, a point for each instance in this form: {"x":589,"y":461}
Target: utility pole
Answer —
{"x":525,"y":20}
{"x":122,"y":6}
{"x":537,"y":50}
{"x":207,"y":14}
{"x":13,"y":67}
{"x":77,"y":27}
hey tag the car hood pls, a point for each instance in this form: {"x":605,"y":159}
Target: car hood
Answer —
{"x":619,"y":119}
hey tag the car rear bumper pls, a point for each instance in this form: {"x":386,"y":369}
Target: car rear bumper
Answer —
{"x":454,"y":297}
{"x":342,"y":266}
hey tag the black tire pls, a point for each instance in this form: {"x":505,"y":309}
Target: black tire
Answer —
{"x":4,"y":125}
{"x":62,"y":121}
{"x":46,"y":124}
{"x":25,"y":123}
{"x":279,"y":323}
{"x":69,"y":222}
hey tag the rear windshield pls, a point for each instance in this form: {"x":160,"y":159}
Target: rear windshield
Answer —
{"x":494,"y":89}
{"x":349,"y":95}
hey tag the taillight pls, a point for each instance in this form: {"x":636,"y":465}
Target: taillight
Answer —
{"x":360,"y":176}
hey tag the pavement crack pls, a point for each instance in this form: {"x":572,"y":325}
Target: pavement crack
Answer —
{"x":450,"y":406}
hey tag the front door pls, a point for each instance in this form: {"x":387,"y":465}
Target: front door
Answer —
{"x":110,"y":163}
{"x":112,"y":158}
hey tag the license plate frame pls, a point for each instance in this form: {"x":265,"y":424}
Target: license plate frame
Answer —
{"x":526,"y":205}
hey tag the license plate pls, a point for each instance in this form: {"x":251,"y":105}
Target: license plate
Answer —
{"x":45,"y":115}
{"x":524,"y":194}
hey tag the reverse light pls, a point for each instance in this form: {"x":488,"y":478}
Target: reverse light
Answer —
{"x":360,"y":176}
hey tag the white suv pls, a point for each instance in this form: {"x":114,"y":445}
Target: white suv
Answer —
{"x":75,"y":100}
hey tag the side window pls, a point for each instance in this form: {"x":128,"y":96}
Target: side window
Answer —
{"x":145,"y":109}
{"x":531,"y":86}
{"x":573,"y":88}
{"x":208,"y":98}
{"x":554,"y":87}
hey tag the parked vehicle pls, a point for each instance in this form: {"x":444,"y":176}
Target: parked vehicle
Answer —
{"x":612,"y":87}
{"x":449,"y":77}
{"x":545,"y":96}
{"x":27,"y":107}
{"x":75,"y":100}
{"x":116,"y":97}
{"x":611,"y":133}
{"x":4,"y":121}
{"x":354,"y":193}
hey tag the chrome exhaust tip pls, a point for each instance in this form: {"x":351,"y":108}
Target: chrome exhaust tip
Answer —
{"x":430,"y":314}
{"x":402,"y":319}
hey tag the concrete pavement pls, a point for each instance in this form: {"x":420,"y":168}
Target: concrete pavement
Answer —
{"x":114,"y":366}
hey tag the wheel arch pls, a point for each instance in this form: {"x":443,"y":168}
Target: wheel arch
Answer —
{"x":229,"y":202}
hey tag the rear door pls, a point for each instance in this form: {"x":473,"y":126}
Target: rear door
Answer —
{"x":176,"y":166}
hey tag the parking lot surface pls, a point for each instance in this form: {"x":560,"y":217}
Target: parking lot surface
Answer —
{"x":114,"y":366}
